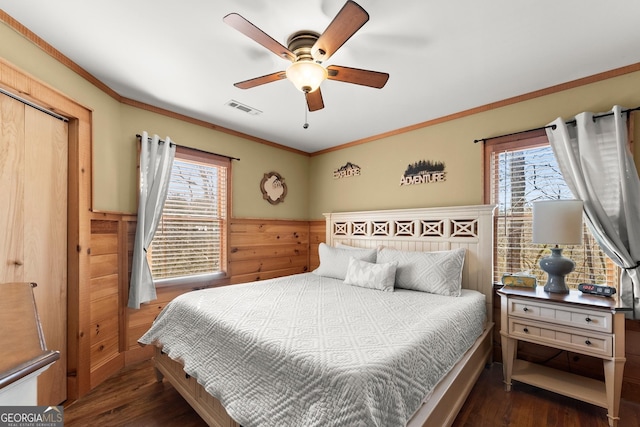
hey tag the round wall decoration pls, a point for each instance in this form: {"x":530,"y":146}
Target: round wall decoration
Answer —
{"x":273,"y":188}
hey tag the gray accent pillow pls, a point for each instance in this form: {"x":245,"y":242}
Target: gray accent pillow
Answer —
{"x":370,"y":275}
{"x":335,"y":261}
{"x":437,"y":272}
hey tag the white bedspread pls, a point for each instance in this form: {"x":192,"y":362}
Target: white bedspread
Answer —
{"x":307,"y":350}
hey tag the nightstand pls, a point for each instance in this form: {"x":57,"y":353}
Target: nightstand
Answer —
{"x":586,"y":324}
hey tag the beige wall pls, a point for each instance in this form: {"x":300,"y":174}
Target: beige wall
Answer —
{"x":255,"y":160}
{"x":384,"y":161}
{"x":114,"y":144}
{"x":312,"y":189}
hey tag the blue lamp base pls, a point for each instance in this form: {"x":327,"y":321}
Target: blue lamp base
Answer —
{"x":556,"y":266}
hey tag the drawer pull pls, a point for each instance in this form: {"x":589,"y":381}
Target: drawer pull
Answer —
{"x":588,"y":319}
{"x":526,"y":330}
{"x":187,"y":376}
{"x":525,"y":309}
{"x":587,"y":342}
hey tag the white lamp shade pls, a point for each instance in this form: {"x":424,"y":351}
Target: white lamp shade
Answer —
{"x":557,"y":222}
{"x":306,"y":75}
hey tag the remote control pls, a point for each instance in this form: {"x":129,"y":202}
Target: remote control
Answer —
{"x":603,"y":290}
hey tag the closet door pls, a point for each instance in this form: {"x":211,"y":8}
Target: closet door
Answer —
{"x":33,"y":159}
{"x":11,"y":190}
{"x":45,"y":239}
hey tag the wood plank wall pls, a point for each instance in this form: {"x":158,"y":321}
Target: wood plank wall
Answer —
{"x":258,"y":250}
{"x":106,"y":284}
{"x":317,"y":235}
{"x":264,"y":249}
{"x":631,"y":381}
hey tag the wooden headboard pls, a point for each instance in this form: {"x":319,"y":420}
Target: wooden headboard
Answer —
{"x":426,"y":229}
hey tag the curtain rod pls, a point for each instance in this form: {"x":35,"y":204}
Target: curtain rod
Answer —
{"x":570,"y":122}
{"x":190,"y":148}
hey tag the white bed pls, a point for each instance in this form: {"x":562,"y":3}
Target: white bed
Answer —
{"x":312,"y":350}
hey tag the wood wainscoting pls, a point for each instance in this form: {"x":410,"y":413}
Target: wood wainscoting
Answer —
{"x":259,"y":249}
{"x":264,"y":249}
{"x":106,"y":285}
{"x":317,"y":235}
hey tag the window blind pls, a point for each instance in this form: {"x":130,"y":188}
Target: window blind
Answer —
{"x":190,"y":239}
{"x":520,"y":176}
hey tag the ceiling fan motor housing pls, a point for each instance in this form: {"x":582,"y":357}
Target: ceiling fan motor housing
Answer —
{"x":301,"y":42}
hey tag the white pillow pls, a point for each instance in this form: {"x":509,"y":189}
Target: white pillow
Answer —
{"x":370,"y":275}
{"x":435,"y":272}
{"x":335,"y":261}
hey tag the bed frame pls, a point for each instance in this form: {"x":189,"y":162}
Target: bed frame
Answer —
{"x":428,"y":229}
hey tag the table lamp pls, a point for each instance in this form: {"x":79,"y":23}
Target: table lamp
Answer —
{"x":557,"y":222}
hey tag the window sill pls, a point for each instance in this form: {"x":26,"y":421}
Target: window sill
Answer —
{"x":200,"y":281}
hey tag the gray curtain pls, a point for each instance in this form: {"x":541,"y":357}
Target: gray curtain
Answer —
{"x":156,"y":161}
{"x":597,"y":165}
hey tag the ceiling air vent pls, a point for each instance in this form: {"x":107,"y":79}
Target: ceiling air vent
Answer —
{"x":240,"y":106}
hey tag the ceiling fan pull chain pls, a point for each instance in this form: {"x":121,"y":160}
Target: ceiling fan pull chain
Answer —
{"x":306,"y":123}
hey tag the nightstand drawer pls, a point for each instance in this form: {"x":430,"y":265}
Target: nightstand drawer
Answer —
{"x":564,"y":338}
{"x":522,"y":329}
{"x":602,"y":345}
{"x":592,"y":320}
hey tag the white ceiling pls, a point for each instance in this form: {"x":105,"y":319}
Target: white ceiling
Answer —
{"x":443,"y":56}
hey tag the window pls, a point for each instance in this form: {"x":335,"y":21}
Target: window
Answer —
{"x":190,"y":242}
{"x":519,"y":172}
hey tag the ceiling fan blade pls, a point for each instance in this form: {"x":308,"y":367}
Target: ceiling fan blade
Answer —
{"x":248,"y":84}
{"x":256,"y":34}
{"x":314,"y":100}
{"x":349,"y":20}
{"x":357,"y":76}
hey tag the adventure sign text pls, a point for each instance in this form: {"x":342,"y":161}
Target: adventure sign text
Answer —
{"x":424,"y":172}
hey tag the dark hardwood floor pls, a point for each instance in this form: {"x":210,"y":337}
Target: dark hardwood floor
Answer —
{"x":489,"y":405}
{"x":133,"y":397}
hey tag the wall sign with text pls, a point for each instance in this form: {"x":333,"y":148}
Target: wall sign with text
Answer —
{"x":346,"y":171}
{"x":424,"y":172}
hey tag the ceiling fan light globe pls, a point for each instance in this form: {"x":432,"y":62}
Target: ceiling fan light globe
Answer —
{"x":306,"y":76}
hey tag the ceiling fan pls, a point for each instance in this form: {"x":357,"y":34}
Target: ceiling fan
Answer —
{"x":307,"y":50}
